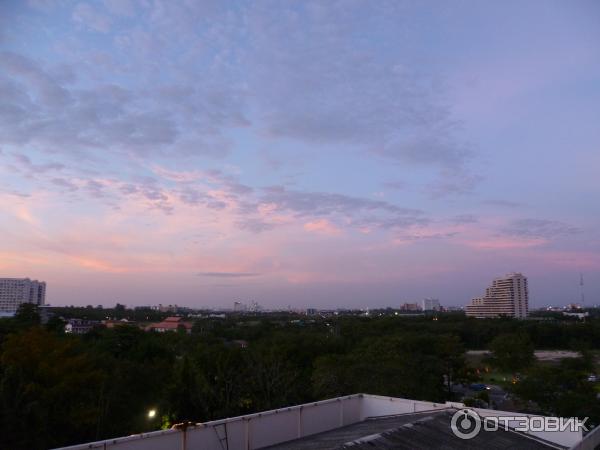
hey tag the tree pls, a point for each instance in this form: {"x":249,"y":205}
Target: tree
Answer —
{"x":120,"y":311}
{"x":561,"y":390}
{"x":56,"y":325}
{"x":272,"y":377}
{"x":407,"y":366}
{"x":184,"y":397}
{"x":58,"y":389}
{"x":512,"y":352}
{"x":452,"y":353}
{"x":46,"y":385}
{"x":331,"y":376}
{"x":27,"y":316}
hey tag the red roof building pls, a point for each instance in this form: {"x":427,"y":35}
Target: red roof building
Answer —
{"x":171,"y":324}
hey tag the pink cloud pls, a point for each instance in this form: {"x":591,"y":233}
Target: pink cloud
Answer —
{"x":573,"y":259}
{"x":179,"y":176}
{"x":493,"y":243}
{"x":322,"y":226}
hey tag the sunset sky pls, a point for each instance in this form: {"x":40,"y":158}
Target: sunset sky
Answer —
{"x":305,"y":153}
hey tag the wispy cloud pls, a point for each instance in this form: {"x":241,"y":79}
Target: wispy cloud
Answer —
{"x":295,"y":141}
{"x":229,"y":274}
{"x":502,"y":203}
{"x":540,"y":228}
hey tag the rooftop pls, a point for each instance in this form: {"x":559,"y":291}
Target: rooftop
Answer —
{"x":359,"y":421}
{"x":429,"y":429}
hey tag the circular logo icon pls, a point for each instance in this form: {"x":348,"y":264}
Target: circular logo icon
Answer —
{"x":466,"y":424}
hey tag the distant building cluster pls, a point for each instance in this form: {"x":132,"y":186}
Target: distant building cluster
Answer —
{"x":174,"y":323}
{"x":571,"y":307}
{"x":410,"y":307}
{"x":165,"y":308}
{"x":571,"y":310}
{"x":507,"y":296}
{"x":16,"y":291}
{"x":240,"y":307}
{"x":426,"y":305}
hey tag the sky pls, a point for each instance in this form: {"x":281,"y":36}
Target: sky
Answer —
{"x":299,"y":153}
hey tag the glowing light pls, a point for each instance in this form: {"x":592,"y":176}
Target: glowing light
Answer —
{"x":151,"y":414}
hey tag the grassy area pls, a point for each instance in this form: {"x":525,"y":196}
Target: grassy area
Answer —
{"x":596,"y":355}
{"x":488,"y":374}
{"x":474,"y":360}
{"x":494,"y":377}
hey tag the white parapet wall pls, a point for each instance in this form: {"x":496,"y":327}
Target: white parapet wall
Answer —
{"x":254,"y":431}
{"x":377,"y":406}
{"x":247,"y":432}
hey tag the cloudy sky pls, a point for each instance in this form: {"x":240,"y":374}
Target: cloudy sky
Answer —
{"x":305,"y":153}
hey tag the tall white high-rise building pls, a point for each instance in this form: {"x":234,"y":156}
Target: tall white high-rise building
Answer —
{"x":507,"y":296}
{"x":240,"y":307}
{"x":15,"y":291}
{"x":431,"y":304}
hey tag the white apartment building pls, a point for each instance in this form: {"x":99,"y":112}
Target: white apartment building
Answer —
{"x":240,"y":307}
{"x":507,"y":296}
{"x":15,"y":291}
{"x":431,"y":304}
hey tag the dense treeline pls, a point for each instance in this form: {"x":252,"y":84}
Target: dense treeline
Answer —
{"x":58,"y":389}
{"x":477,"y":334}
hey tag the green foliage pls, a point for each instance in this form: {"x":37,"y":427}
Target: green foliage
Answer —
{"x":483,"y":395}
{"x":55,"y":325}
{"x":562,"y":390}
{"x":470,"y":402}
{"x":512,"y":352}
{"x":187,"y":394}
{"x":27,"y":316}
{"x":58,"y":389}
{"x":44,"y":387}
{"x":409,"y":366}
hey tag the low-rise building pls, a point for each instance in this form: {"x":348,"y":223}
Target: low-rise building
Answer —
{"x":410,"y":307}
{"x":171,"y":324}
{"x":80,"y":326}
{"x":579,"y":315}
{"x":116,"y":323}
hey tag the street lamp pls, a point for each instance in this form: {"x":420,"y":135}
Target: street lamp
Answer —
{"x":151,"y":414}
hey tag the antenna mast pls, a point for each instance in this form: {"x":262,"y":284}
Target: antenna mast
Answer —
{"x":581,"y":289}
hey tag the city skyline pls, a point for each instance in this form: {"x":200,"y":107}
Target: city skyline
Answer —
{"x":396,"y":303}
{"x":312,"y":154}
